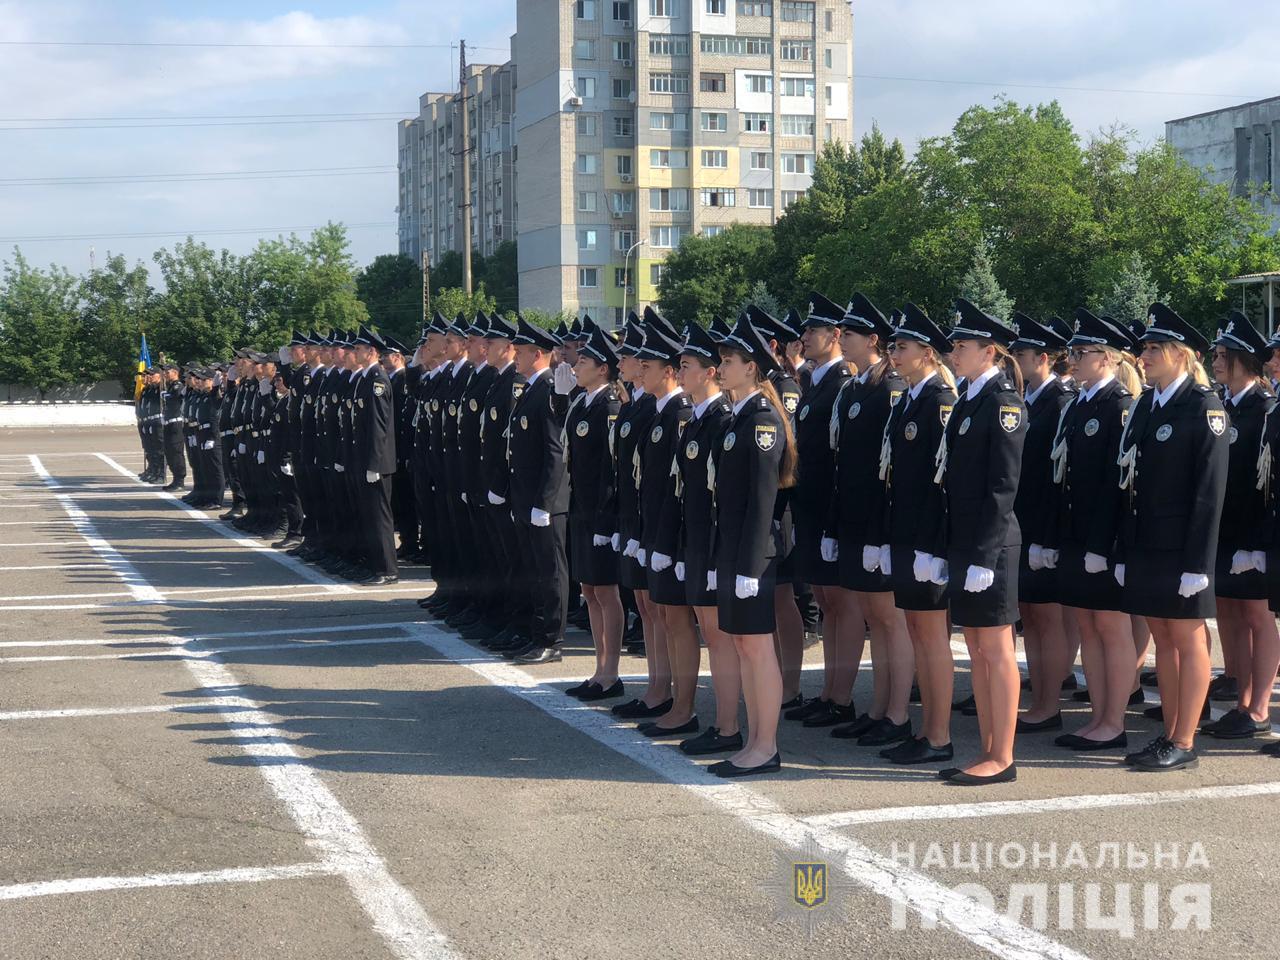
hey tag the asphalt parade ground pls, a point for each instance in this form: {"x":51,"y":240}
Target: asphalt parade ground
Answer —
{"x":208,"y":749}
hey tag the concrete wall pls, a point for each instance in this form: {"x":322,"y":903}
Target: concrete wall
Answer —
{"x":66,"y":415}
{"x":106,"y":391}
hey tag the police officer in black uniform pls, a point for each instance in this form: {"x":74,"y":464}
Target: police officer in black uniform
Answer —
{"x":171,"y":399}
{"x":373,"y":464}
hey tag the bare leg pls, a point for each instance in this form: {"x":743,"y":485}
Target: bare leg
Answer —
{"x":846,"y":639}
{"x":1045,"y":640}
{"x":930,"y":635}
{"x":1182,"y":668}
{"x":655,"y":651}
{"x":604,"y":608}
{"x":892,"y":659}
{"x":1114,"y":630}
{"x":996,"y":686}
{"x":762,"y":675}
{"x":726,"y":671}
{"x":684,"y":657}
{"x":1263,"y":661}
{"x":790,"y":638}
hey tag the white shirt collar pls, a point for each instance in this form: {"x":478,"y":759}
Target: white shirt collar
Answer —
{"x":481,"y":365}
{"x":637,"y":393}
{"x":737,"y":407}
{"x":1087,"y":395}
{"x":317,"y":368}
{"x":505,"y":365}
{"x":1236,"y":398}
{"x":1030,"y":398}
{"x":356,"y":372}
{"x":457,"y":364}
{"x":914,"y":392}
{"x":535,"y":375}
{"x":974,"y":387}
{"x":819,"y":373}
{"x":701,"y":408}
{"x":662,"y":402}
{"x":592,"y":395}
{"x":1162,"y":396}
{"x":862,"y":377}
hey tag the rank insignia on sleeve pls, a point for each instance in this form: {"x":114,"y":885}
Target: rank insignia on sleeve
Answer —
{"x":790,"y":401}
{"x":1217,"y":422}
{"x":766,"y":437}
{"x":379,"y":389}
{"x":1010,"y":418}
{"x":944,"y":412}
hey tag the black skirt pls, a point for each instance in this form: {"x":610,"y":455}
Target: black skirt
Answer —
{"x":1273,"y":577}
{"x":630,"y":573}
{"x":594,"y":566}
{"x":993,"y":607}
{"x":1082,"y":590}
{"x":664,"y":588}
{"x":853,"y":577}
{"x":1035,"y":586}
{"x":696,"y":565}
{"x":1151,"y":589}
{"x":809,"y":567}
{"x":908,"y":592}
{"x":1250,"y":585}
{"x":752,"y":615}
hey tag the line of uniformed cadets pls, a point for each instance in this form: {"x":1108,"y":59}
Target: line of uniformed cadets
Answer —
{"x":1091,"y":510}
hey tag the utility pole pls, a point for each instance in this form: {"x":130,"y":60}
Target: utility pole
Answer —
{"x":426,"y":289}
{"x":466,"y":168}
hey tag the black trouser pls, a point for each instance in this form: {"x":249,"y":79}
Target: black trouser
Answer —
{"x":443,"y":546}
{"x":509,"y":604}
{"x":153,"y":447}
{"x":546,"y":570}
{"x":402,"y":507}
{"x":289,"y":501}
{"x":425,"y":510}
{"x":192,"y":451}
{"x":375,"y":524}
{"x":230,"y":469}
{"x":214,"y":482}
{"x":173,"y":452}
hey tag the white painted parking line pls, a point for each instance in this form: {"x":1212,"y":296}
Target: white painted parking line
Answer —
{"x":31,"y":523}
{"x":74,"y":712}
{"x":213,"y":635}
{"x":138,"y":587}
{"x":883,"y":876}
{"x":397,"y":916}
{"x":295,"y":565}
{"x":182,"y":653}
{"x":49,"y":888}
{"x":224,"y":597}
{"x":60,"y":566}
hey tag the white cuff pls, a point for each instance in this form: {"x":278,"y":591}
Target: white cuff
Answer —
{"x":539,"y":518}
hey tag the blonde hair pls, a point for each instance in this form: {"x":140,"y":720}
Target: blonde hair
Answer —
{"x":944,"y":371}
{"x":1189,"y":361}
{"x":1126,"y":371}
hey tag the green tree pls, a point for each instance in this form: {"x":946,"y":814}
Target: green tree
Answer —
{"x":391,"y":289}
{"x":116,"y":304}
{"x":39,"y":324}
{"x":207,"y":300}
{"x":453,"y":300}
{"x":1130,"y":294}
{"x":981,"y":288}
{"x":759,"y":296}
{"x":708,"y":277}
{"x":500,"y":275}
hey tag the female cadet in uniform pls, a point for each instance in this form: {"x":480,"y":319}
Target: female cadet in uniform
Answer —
{"x":658,"y":360}
{"x":592,"y":523}
{"x":857,"y":427}
{"x":1082,"y":543}
{"x":756,"y":457}
{"x":1244,"y":621}
{"x":1173,"y":463}
{"x":912,"y":521}
{"x":688,"y":534}
{"x":632,"y":425}
{"x":1037,"y":351}
{"x":1268,"y":558}
{"x":979,"y":465}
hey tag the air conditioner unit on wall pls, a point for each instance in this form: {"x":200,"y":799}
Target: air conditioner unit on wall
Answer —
{"x":624,"y":177}
{"x":626,"y":63}
{"x":574,"y":101}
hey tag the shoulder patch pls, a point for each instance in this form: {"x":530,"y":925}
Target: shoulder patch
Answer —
{"x":766,"y":436}
{"x":379,"y":389}
{"x":1217,"y":421}
{"x":1010,"y":417}
{"x":790,"y":401}
{"x":944,"y":412}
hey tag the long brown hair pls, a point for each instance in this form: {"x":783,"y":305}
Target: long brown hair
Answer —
{"x":1005,"y":361}
{"x":790,"y":457}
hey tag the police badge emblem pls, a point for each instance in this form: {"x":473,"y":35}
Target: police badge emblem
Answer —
{"x":804,"y":411}
{"x":582,"y":428}
{"x":379,"y":389}
{"x":453,"y":409}
{"x":691,"y":449}
{"x":524,"y":423}
{"x":766,"y":437}
{"x":728,"y":440}
{"x":1233,"y":434}
{"x":1164,"y":433}
{"x":625,"y":431}
{"x":1010,"y":417}
{"x":854,"y":410}
{"x":964,"y":426}
{"x":1091,"y":427}
{"x":656,"y":434}
{"x":1217,"y":422}
{"x":944,"y":412}
{"x":910,"y":430}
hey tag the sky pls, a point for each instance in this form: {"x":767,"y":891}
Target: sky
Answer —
{"x":281,"y":117}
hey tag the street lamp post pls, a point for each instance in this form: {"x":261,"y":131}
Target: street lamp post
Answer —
{"x":626,"y":276}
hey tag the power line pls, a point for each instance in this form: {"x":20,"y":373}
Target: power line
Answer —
{"x":215,"y":177}
{"x":248,"y":46}
{"x":190,"y":233}
{"x":202,"y":123}
{"x":1049,"y":86}
{"x":205,"y":116}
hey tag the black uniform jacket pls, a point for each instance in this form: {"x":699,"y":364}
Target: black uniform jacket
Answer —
{"x":814,"y":489}
{"x":657,"y":484}
{"x":1033,"y":504}
{"x":538,"y":474}
{"x":591,"y":473}
{"x":374,"y":424}
{"x":747,"y":464}
{"x":1243,"y":508}
{"x":496,"y":471}
{"x":689,"y":517}
{"x":631,"y":427}
{"x":857,"y":429}
{"x":471,"y":414}
{"x":1086,"y":504}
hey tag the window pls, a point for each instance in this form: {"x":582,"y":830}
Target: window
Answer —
{"x":624,"y":164}
{"x":586,"y":239}
{"x":668,"y":45}
{"x":710,"y":43}
{"x":796,"y":49}
{"x":655,"y":273}
{"x":662,"y":8}
{"x":584,"y":9}
{"x":669,"y":199}
{"x":586,"y":123}
{"x":826,"y":132}
{"x":623,"y":239}
{"x":826,"y":92}
{"x":621,"y":49}
{"x":621,"y":10}
{"x":826,"y":58}
{"x":756,"y":122}
{"x":797,"y":86}
{"x":621,"y":88}
{"x":715,"y":158}
{"x":668,"y":158}
{"x":623,"y":127}
{"x":759,"y":198}
{"x":585,"y":87}
{"x":665,"y":238}
{"x":797,"y":124}
{"x":588,"y":277}
{"x":713,"y":230}
{"x":668,"y":121}
{"x":827,"y":17}
{"x":797,"y":11}
{"x":587,"y":162}
{"x":668,"y":83}
{"x":620,"y":277}
{"x":622,"y":202}
{"x":746,"y":8}
{"x":717,"y":122}
{"x":759,"y":83}
{"x":797,"y":163}
{"x":711,"y":82}
{"x":717,"y":8}
{"x":587,"y":201}
{"x":584,"y":49}
{"x":761,"y":160}
{"x":719,"y":197}
{"x":790,"y":196}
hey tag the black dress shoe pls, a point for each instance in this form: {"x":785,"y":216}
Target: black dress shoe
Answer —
{"x":290,"y":542}
{"x":918,"y":750}
{"x":597,"y":692}
{"x":1167,"y":756}
{"x":578,"y":688}
{"x":946,"y":773}
{"x":380,"y":580}
{"x":1220,"y":688}
{"x":623,"y":709}
{"x":174,"y":485}
{"x":511,"y":652}
{"x":513,"y":646}
{"x":1271,"y":748}
{"x":1035,"y":726}
{"x":808,"y":708}
{"x":1007,"y":775}
{"x":831,"y":714}
{"x":1148,"y":750}
{"x":710,"y":741}
{"x":1074,"y":741}
{"x":653,"y":729}
{"x":728,"y":770}
{"x":884,"y":732}
{"x":1236,"y":725}
{"x":551,"y":654}
{"x":639,"y":710}
{"x":962,"y":706}
{"x":481,"y":631}
{"x":796,"y":701}
{"x":850,"y":731}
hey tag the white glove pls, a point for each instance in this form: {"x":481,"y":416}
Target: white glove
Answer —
{"x":191,"y":441}
{"x":680,"y":570}
{"x":746,"y":587}
{"x":922,"y":566}
{"x":207,"y":445}
{"x":830,"y":550}
{"x":615,"y":541}
{"x":1050,"y":558}
{"x":885,"y":566}
{"x":978,"y":578}
{"x":539,"y":518}
{"x":659,"y":562}
{"x":641,"y":557}
{"x":496,"y":500}
{"x":286,"y":469}
{"x":870,"y":559}
{"x":283,"y":354}
{"x":1242,"y":562}
{"x":1035,"y":557}
{"x":599,"y":541}
{"x":339,"y":468}
{"x":264,"y":387}
{"x":631,"y":548}
{"x":1192,"y":583}
{"x":240,"y":448}
{"x":372,"y":476}
{"x":262,"y":456}
{"x":1119,"y":573}
{"x":1094,"y":563}
{"x":1260,"y":561}
{"x":938,"y":572}
{"x":712,"y":582}
{"x":564,"y":379}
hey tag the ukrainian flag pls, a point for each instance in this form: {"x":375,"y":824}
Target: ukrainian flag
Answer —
{"x":144,"y":361}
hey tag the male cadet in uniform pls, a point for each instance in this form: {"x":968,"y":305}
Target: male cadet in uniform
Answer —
{"x":446,"y":549}
{"x":374,"y":460}
{"x":539,"y":494}
{"x":430,"y":362}
{"x":393,"y":363}
{"x":306,"y":472}
{"x":195,"y":466}
{"x":173,"y":420}
{"x":208,"y":445}
{"x":227,"y":436}
{"x":329,"y":452}
{"x":287,"y":468}
{"x":240,"y":411}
